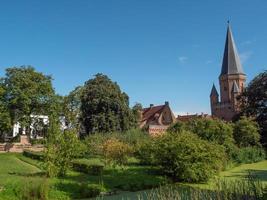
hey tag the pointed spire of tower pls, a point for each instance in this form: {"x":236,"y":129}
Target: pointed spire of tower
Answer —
{"x":235,"y":88}
{"x":214,"y":91}
{"x":231,"y":62}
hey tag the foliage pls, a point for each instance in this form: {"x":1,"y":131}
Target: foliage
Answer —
{"x":85,"y":166}
{"x":104,"y":108}
{"x":246,"y":132}
{"x":188,"y":158}
{"x":132,"y":137}
{"x":254,"y":104}
{"x":90,"y":190}
{"x":212,"y":130}
{"x":137,"y":108}
{"x":33,"y":190}
{"x":61,"y":149}
{"x":34,"y":155}
{"x":146,"y":152}
{"x":116,"y":152}
{"x":177,"y":127}
{"x":5,"y":118}
{"x":27,"y":92}
{"x":71,"y":108}
{"x":250,"y":155}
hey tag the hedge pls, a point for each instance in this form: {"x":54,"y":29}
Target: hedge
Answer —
{"x":88,"y":167}
{"x":34,"y":155}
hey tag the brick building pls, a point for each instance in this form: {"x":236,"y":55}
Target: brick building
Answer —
{"x":156,"y":119}
{"x":232,"y":82}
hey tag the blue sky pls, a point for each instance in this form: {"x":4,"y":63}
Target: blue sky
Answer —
{"x":168,"y":50}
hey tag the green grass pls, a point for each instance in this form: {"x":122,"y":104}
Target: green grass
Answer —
{"x":16,"y":169}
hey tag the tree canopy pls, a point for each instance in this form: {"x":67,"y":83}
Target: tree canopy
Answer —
{"x":254,"y":102}
{"x":27,"y":92}
{"x":104,"y":107}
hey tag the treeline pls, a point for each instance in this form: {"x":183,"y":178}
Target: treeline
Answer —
{"x":97,"y":106}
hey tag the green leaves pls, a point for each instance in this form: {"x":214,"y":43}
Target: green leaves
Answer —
{"x":26,"y":92}
{"x":104,"y":108}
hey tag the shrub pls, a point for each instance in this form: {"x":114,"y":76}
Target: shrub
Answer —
{"x":33,"y":190}
{"x":60,"y":150}
{"x":90,"y":190}
{"x":188,"y":158}
{"x":212,"y":130}
{"x":146,"y":152}
{"x":246,"y":132}
{"x":95,"y":142}
{"x":87,"y":167}
{"x":34,"y":155}
{"x":250,"y":155}
{"x":116,"y":152}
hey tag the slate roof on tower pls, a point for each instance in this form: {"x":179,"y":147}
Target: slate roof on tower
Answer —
{"x":231,"y":62}
{"x":214,"y":91}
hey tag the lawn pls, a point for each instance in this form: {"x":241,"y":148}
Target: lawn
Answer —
{"x":15,"y":169}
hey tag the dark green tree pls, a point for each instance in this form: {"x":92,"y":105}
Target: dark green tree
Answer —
{"x":5,"y":120}
{"x":27,"y":92}
{"x":104,"y":107}
{"x":254,"y":103}
{"x":246,"y":132}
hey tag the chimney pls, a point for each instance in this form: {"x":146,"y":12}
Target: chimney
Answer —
{"x":151,"y":105}
{"x":166,"y":103}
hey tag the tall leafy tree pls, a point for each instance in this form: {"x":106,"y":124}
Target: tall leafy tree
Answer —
{"x":27,"y":92}
{"x":5,"y":120}
{"x":254,"y":103}
{"x":104,"y":107}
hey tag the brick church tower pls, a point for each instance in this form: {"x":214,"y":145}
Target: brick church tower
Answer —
{"x":232,"y":82}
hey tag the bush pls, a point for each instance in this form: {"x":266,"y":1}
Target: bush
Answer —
{"x":188,"y":158}
{"x":246,"y":132}
{"x":34,"y":155}
{"x":90,"y":190}
{"x":33,"y":190}
{"x":61,"y":149}
{"x":146,"y":152}
{"x":212,"y":130}
{"x":94,"y":144}
{"x":250,"y":155}
{"x":88,"y":167}
{"x":116,"y":152}
{"x":133,"y":138}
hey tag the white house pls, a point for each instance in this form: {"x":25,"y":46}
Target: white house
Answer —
{"x":37,"y":126}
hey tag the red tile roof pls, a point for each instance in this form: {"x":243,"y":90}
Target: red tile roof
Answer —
{"x":148,"y":113}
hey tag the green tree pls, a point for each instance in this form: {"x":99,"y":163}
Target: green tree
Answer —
{"x":104,"y":108}
{"x":254,"y":103}
{"x":137,"y":109}
{"x":61,"y":149}
{"x":72,"y":108}
{"x":5,"y":120}
{"x":27,"y":92}
{"x":246,"y":132}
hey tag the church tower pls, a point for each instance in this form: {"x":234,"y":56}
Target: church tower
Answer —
{"x":232,"y":82}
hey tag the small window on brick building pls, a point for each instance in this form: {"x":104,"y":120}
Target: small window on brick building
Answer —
{"x":225,"y":88}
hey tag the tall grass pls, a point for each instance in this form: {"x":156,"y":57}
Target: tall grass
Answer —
{"x":246,"y":189}
{"x":33,"y":189}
